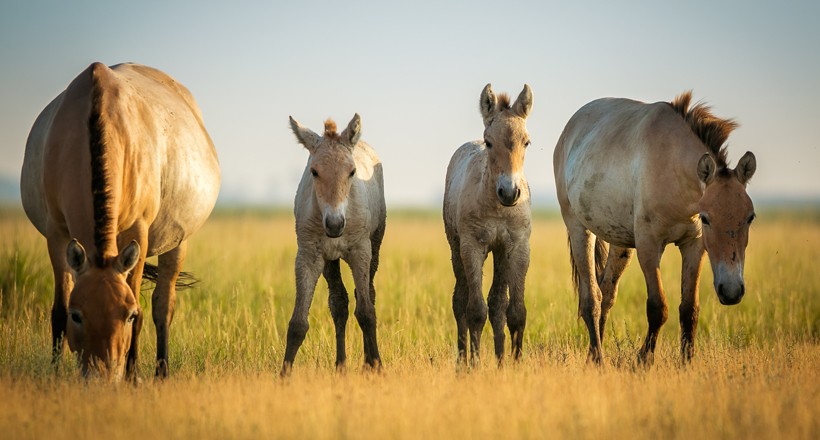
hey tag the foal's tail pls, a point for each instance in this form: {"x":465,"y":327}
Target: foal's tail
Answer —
{"x":601,"y":252}
{"x":184,"y":281}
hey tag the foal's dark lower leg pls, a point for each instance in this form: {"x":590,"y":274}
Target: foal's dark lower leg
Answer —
{"x":498,"y":302}
{"x":338,"y":302}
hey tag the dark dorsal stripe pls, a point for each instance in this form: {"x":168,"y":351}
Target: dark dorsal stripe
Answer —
{"x":710,"y":129}
{"x":100,"y":188}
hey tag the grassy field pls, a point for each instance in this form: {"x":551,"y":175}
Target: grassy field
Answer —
{"x":755,"y":374}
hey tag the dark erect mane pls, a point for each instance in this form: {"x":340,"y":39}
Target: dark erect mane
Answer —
{"x":503,"y":101}
{"x":710,"y":129}
{"x":102,"y":198}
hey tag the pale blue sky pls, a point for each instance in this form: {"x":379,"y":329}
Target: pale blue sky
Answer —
{"x":414,"y":71}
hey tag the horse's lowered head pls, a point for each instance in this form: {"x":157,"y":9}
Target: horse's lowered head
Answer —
{"x":506,"y":139}
{"x":102,"y":310}
{"x":726,"y":211}
{"x":332,"y":168}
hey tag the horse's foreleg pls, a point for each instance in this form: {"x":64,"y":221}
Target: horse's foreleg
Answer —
{"x":498,"y":301}
{"x":472,"y":257}
{"x":692,"y":261}
{"x":649,"y":257}
{"x":163,"y":301}
{"x":582,"y":244}
{"x":308,"y":268}
{"x":459,"y":299}
{"x":338,"y":303}
{"x":616,"y":263}
{"x":517,"y":266}
{"x":63,"y":283}
{"x":359,"y":261}
{"x":134,"y":282}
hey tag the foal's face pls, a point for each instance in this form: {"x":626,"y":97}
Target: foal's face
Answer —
{"x":726,"y":212}
{"x":506,"y":140}
{"x":102,"y":312}
{"x":332,"y":169}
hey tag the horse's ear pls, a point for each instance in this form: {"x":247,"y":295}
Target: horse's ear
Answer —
{"x":523,"y":104}
{"x":304,"y":135}
{"x":353,"y":132}
{"x":706,"y":168}
{"x":746,"y":167}
{"x":488,"y":103}
{"x":75,"y":256}
{"x":129,"y":257}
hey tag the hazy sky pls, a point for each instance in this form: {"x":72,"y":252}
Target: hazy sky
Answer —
{"x":414,"y":71}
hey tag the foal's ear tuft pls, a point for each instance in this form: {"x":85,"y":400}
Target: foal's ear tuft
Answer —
{"x":353,"y":132}
{"x":488,"y":103}
{"x":523,"y":104}
{"x":129,"y":257}
{"x":304,"y":135}
{"x":76,"y":257}
{"x":746,"y":167}
{"x":706,"y":168}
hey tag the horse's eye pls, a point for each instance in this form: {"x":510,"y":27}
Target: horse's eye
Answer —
{"x":77,"y":317}
{"x":352,"y":173}
{"x":488,"y":144}
{"x":526,"y":144}
{"x":314,"y":173}
{"x":132,"y":317}
{"x":752,"y":218}
{"x":704,"y":220}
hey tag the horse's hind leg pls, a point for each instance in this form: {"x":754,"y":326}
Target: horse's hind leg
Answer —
{"x":589,"y":294}
{"x":365,"y":313}
{"x":459,"y":300}
{"x":163,"y":301}
{"x":338,"y":302}
{"x":616,"y":263}
{"x":519,"y":263}
{"x":498,"y":302}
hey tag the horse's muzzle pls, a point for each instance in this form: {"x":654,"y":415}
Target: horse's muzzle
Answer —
{"x":730,"y":295}
{"x":334,"y":226}
{"x":508,"y":197}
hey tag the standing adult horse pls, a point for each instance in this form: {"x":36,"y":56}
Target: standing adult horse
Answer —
{"x":340,"y":214}
{"x":635,"y":175}
{"x":117,"y":167}
{"x":487,"y":209}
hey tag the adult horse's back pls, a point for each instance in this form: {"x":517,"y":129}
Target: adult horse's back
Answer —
{"x":117,"y":167}
{"x":631,"y":175}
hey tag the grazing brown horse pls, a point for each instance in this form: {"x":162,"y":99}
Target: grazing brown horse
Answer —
{"x":487,"y":209}
{"x":639,"y":176}
{"x":117,"y":167}
{"x":340,"y":214}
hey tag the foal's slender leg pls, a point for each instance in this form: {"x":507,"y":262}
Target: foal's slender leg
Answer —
{"x":582,"y":244}
{"x":649,"y":257}
{"x":473,"y":256}
{"x":692,"y":258}
{"x":359,"y":261}
{"x":338,"y":302}
{"x":63,"y":284}
{"x":308,"y":268}
{"x":459,"y":300}
{"x":517,"y":266}
{"x":616,"y":263}
{"x":163,"y":301}
{"x":375,"y":247}
{"x":498,"y":301}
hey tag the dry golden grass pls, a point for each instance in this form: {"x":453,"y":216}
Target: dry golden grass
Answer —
{"x":755,"y":374}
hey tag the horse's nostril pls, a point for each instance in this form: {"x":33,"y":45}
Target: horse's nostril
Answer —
{"x":720,"y":289}
{"x":517,"y":193}
{"x":742,"y":290}
{"x":500,"y":193}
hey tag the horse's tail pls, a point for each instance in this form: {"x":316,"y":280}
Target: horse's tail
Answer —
{"x":601,"y":253}
{"x":185,"y":280}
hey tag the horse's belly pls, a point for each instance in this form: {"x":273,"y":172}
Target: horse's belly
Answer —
{"x":607,"y":210}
